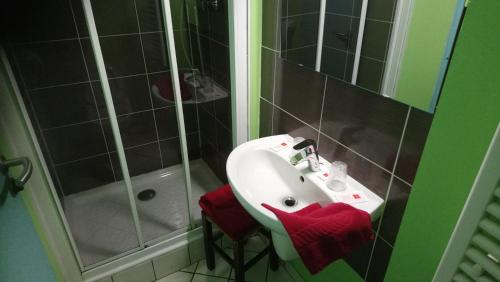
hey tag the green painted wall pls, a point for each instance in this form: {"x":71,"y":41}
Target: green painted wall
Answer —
{"x":427,"y":38}
{"x":255,"y":30}
{"x":467,"y":115}
{"x":24,"y":254}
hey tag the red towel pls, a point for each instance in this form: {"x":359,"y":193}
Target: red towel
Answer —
{"x":322,"y":235}
{"x":165,"y":87}
{"x":224,"y":209}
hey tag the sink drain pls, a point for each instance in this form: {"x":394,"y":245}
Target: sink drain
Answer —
{"x":289,"y":201}
{"x":146,"y":195}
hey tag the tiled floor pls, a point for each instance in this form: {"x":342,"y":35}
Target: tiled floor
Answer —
{"x":198,"y":272}
{"x":101,"y":220}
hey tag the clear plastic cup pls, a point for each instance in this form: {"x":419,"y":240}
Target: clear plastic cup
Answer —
{"x":338,"y":177}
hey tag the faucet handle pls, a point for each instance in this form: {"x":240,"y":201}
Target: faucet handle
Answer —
{"x":307,"y":143}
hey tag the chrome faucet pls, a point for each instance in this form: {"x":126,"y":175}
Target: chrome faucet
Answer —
{"x":307,"y":150}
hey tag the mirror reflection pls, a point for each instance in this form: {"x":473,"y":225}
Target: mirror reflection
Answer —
{"x":346,"y":39}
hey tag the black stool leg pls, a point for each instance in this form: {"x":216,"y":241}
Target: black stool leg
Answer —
{"x":274,"y":261}
{"x":239,"y":261}
{"x":207,"y":241}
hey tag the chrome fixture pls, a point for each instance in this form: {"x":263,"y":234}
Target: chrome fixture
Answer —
{"x":307,"y":150}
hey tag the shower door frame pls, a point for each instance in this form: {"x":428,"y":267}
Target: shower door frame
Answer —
{"x":238,"y":39}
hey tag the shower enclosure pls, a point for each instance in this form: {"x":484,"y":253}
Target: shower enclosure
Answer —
{"x":130,"y":101}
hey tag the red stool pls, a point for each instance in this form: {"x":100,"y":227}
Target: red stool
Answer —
{"x":220,"y":207}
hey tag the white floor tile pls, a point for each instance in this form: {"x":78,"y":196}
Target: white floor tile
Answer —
{"x":139,"y":273}
{"x":191,"y":268}
{"x":205,"y":278}
{"x":177,"y":277}
{"x":222,"y":268}
{"x":171,"y":262}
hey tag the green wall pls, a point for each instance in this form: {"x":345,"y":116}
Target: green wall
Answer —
{"x":426,"y":43}
{"x":467,"y":115}
{"x":24,"y":252}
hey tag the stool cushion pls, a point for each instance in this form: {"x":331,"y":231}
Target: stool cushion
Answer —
{"x":222,"y":207}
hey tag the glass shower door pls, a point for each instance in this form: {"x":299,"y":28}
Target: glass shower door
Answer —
{"x":136,"y":62}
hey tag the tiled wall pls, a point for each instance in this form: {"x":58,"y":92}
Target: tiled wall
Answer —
{"x":48,"y":45}
{"x":215,"y":116}
{"x":299,"y":31}
{"x":380,"y":139}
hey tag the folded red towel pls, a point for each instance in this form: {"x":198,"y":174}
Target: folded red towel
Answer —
{"x":165,"y":87}
{"x":322,"y":235}
{"x":224,"y":209}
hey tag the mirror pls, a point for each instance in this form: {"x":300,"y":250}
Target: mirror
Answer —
{"x":346,"y":39}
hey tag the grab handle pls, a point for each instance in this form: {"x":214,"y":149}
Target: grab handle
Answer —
{"x":19,"y":182}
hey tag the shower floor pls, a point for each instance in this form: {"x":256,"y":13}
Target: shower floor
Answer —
{"x":101,"y":220}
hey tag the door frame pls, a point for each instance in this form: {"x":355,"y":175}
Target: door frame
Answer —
{"x":37,"y":195}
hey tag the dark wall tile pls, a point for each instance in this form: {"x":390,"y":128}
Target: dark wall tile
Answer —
{"x":28,"y":21}
{"x":224,"y":140}
{"x":371,"y":125}
{"x":182,"y":50}
{"x":337,"y":31}
{"x":219,"y":57}
{"x":394,"y":210}
{"x":371,"y":176}
{"x":375,"y":39}
{"x":299,"y":91}
{"x":304,"y":56}
{"x":203,"y":18}
{"x":122,"y":55}
{"x":266,"y":118}
{"x":79,"y":14}
{"x":135,"y":129}
{"x":171,"y":152}
{"x":155,"y":51}
{"x":64,"y":105}
{"x":270,"y":15}
{"x":166,"y":121}
{"x":379,"y":262}
{"x":412,"y":148}
{"x":85,"y":174}
{"x":344,"y":7}
{"x":75,"y":142}
{"x":149,"y":14}
{"x":130,"y":94}
{"x":333,"y":62}
{"x":370,"y":74}
{"x":51,"y":63}
{"x":286,"y":124}
{"x":301,"y":31}
{"x":194,"y":147}
{"x":223,"y":111}
{"x":359,"y":258}
{"x":268,"y":62}
{"x":219,"y":26}
{"x":114,"y":16}
{"x":381,"y":10}
{"x":295,"y":7}
{"x":190,"y":118}
{"x":207,"y":127}
{"x":141,"y":159}
{"x":201,"y":52}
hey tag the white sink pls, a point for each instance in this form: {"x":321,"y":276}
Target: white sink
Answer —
{"x":258,"y":173}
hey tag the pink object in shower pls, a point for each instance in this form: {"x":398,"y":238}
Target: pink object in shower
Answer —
{"x":166,"y":89}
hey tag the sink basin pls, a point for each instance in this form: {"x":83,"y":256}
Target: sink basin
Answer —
{"x":259,"y":172}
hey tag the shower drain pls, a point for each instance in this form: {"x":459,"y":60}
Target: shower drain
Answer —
{"x":146,"y":195}
{"x":289,"y":201}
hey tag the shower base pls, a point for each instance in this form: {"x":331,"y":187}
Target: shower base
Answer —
{"x":101,"y":221}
